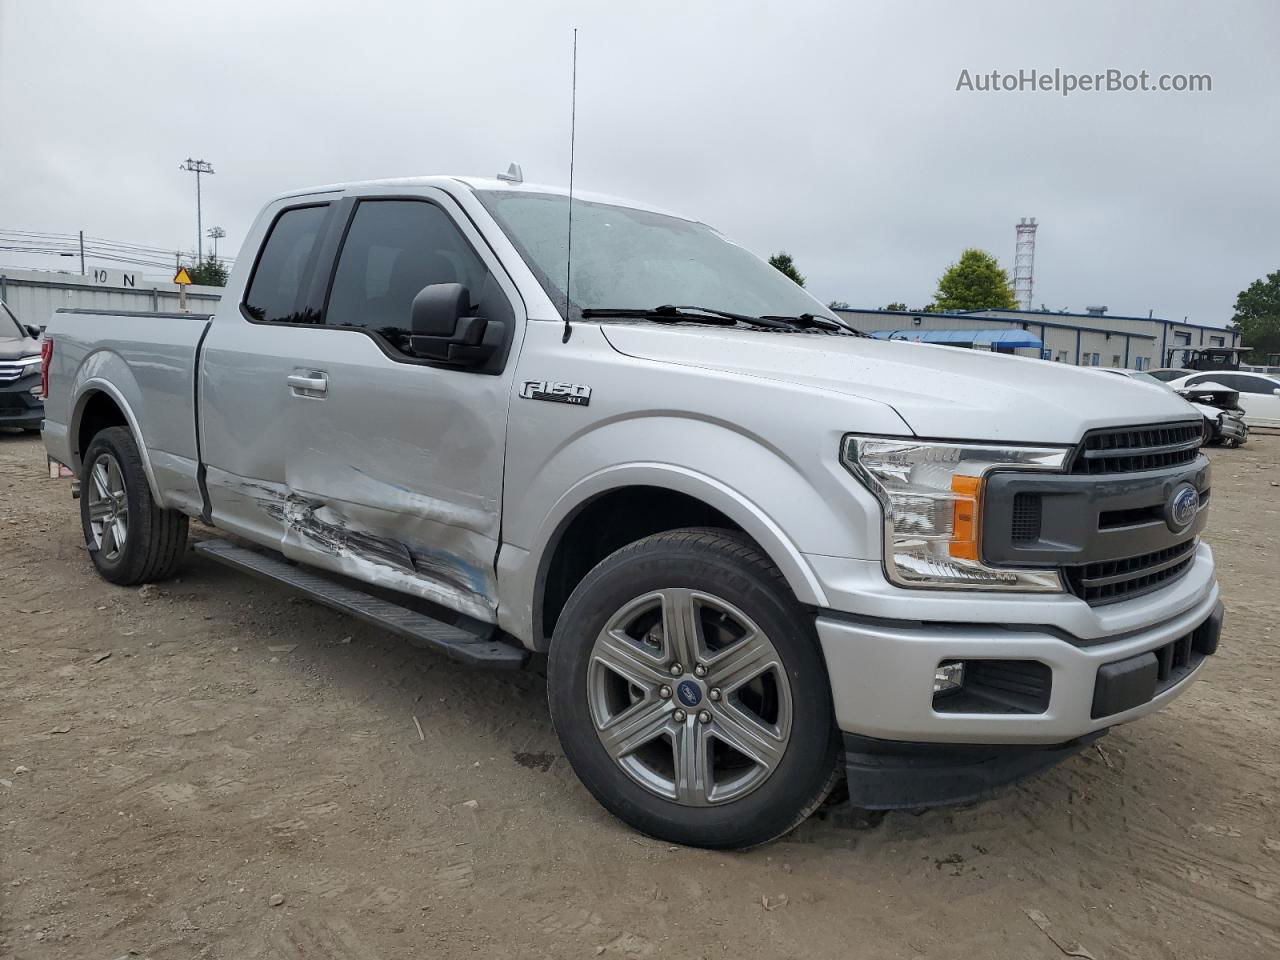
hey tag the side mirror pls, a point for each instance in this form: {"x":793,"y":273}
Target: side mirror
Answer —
{"x":33,"y":331}
{"x":441,"y":328}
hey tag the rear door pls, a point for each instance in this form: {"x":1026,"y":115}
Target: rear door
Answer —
{"x":251,"y":352}
{"x":1259,"y":399}
{"x":394,"y":465}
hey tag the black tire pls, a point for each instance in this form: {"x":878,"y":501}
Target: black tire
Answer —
{"x":731,"y":568}
{"x":156,"y":537}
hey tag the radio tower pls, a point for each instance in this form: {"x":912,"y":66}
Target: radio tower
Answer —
{"x":1024,"y":262}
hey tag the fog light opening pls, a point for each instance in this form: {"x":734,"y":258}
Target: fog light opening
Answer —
{"x":948,"y":676}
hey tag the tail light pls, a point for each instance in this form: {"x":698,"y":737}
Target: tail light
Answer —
{"x":46,"y":358}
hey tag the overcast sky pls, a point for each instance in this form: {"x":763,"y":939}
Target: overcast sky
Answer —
{"x":833,"y":131}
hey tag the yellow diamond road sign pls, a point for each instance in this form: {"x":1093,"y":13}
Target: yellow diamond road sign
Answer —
{"x":183,"y":279}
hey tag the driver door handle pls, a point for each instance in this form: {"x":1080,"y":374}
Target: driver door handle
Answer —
{"x":318,"y":384}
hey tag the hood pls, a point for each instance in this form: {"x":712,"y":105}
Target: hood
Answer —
{"x":942,"y":392}
{"x":11,"y":348}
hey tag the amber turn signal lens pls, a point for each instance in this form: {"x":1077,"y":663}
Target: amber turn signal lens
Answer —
{"x":964,"y":516}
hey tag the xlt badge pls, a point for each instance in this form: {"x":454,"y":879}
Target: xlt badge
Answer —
{"x":556,"y":391}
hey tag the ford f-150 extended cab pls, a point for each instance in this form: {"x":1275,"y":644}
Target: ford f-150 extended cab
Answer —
{"x":759,"y":550}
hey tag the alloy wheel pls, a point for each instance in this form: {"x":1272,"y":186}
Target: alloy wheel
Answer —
{"x":689,"y":696}
{"x":108,"y":507}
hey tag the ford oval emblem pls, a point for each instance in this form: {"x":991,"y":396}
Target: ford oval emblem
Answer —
{"x":690,"y":693}
{"x":1181,"y":510}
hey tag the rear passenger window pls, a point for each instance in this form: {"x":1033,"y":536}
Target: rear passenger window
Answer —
{"x":1254,"y":385}
{"x":278,"y":292}
{"x":393,"y":249}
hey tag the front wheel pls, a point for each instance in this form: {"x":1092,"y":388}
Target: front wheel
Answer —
{"x":689,"y":693}
{"x":130,"y":537}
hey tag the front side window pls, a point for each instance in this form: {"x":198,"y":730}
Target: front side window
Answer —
{"x":625,"y":258}
{"x":393,"y":249}
{"x":280,"y":289}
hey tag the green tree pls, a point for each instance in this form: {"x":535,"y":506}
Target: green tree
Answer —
{"x":974,"y":282}
{"x":782,"y":261}
{"x":209,"y":273}
{"x":838,"y":305}
{"x":1258,"y":317}
{"x":899,"y":307}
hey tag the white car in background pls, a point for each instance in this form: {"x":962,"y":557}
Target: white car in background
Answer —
{"x":1165,"y":374}
{"x":1223,"y":418}
{"x":1259,"y":393}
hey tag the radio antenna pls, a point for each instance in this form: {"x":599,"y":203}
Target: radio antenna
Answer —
{"x":573,"y":123}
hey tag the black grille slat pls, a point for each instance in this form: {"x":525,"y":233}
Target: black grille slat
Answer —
{"x":1107,"y":581}
{"x":1133,"y":449}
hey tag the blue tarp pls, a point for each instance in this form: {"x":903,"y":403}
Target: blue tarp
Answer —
{"x":1008,"y":339}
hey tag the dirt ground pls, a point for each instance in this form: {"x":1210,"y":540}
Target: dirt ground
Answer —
{"x":174,"y":759}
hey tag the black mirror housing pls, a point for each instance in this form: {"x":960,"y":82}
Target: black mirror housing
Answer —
{"x":441,"y":328}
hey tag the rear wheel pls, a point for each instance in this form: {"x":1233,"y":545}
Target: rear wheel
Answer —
{"x":131,"y":538}
{"x":689,"y":693}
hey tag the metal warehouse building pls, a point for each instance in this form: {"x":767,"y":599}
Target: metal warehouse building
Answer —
{"x":1093,"y":339}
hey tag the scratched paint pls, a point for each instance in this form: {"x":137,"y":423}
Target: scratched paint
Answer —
{"x":333,"y":536}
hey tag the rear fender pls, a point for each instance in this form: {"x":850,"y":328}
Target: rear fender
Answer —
{"x":86,"y":386}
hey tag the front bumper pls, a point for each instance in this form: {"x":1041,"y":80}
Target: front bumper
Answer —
{"x":1232,"y":427}
{"x":18,"y":406}
{"x":882,"y":673}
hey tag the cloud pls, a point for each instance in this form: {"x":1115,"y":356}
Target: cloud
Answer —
{"x":832,"y":130}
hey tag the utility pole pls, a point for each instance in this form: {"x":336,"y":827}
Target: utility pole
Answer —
{"x":216,"y":234}
{"x":82,"y":253}
{"x":198,"y":167}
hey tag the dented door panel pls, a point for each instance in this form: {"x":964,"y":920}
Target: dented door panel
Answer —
{"x":395,"y":476}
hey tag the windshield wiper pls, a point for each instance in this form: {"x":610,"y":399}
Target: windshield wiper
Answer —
{"x":810,"y":321}
{"x":670,"y":313}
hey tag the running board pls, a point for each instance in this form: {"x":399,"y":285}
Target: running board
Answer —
{"x":453,"y":642}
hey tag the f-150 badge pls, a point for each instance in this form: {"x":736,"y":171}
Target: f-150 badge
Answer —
{"x":556,"y":392}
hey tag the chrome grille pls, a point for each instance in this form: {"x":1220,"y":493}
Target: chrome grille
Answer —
{"x":1131,"y":449}
{"x":1108,"y":581}
{"x":10,"y":371}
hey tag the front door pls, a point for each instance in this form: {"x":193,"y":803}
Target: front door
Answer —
{"x":394,"y":465}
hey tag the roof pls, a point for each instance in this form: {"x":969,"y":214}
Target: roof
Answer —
{"x":1025,"y":321}
{"x":1096,"y":316}
{"x":444,"y":182}
{"x":1005,"y":338}
{"x":1034,"y":316}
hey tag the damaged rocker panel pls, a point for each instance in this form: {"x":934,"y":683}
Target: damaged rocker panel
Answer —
{"x":326,"y":535}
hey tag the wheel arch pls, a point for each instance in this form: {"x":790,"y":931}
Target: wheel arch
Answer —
{"x":100,"y":404}
{"x":652,"y":498}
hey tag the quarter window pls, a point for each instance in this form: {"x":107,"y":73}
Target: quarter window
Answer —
{"x":393,"y":249}
{"x":280,"y":288}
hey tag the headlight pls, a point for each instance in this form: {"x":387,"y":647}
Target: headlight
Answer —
{"x":931,"y":494}
{"x":27,"y":365}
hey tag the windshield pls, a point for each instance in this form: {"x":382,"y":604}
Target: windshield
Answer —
{"x":623,"y":257}
{"x":9,"y":325}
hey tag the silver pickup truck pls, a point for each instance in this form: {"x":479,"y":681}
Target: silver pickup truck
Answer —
{"x":759,"y":550}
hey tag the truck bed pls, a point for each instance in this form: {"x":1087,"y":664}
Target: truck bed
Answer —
{"x":146,"y":363}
